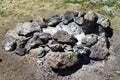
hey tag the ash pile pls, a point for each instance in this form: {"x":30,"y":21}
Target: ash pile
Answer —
{"x":63,"y":40}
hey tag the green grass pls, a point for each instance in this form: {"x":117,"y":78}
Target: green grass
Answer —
{"x":75,"y":1}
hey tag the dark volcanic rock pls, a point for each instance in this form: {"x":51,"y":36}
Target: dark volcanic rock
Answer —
{"x":88,"y":27}
{"x":54,"y":46}
{"x":20,"y":51}
{"x":9,"y":43}
{"x":54,"y":20}
{"x":43,"y":36}
{"x":61,"y":60}
{"x":68,"y":16}
{"x":33,"y":43}
{"x":64,"y":37}
{"x":81,"y":50}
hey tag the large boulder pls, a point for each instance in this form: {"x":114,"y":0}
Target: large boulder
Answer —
{"x":61,"y":60}
{"x":64,"y":37}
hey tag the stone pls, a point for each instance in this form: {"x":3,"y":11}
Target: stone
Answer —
{"x":89,"y":40}
{"x":88,"y":27}
{"x":64,"y":37}
{"x":71,"y":28}
{"x":28,"y":28}
{"x":61,"y":60}
{"x":81,"y":50}
{"x":54,"y":46}
{"x":91,"y":16}
{"x":9,"y":43}
{"x":20,"y":51}
{"x":43,"y":36}
{"x":37,"y":52}
{"x":96,"y":1}
{"x":67,"y":47}
{"x":54,"y":20}
{"x":68,"y":16}
{"x":41,"y":21}
{"x":99,"y":51}
{"x":79,"y":20}
{"x":79,"y":37}
{"x":33,"y":42}
{"x":103,"y":21}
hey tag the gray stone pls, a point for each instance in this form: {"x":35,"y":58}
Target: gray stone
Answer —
{"x":54,"y":46}
{"x":41,"y":22}
{"x":64,"y":37}
{"x":103,"y":21}
{"x":91,"y":16}
{"x":33,"y":42}
{"x":20,"y":51}
{"x":37,"y":52}
{"x":27,"y":28}
{"x":61,"y":60}
{"x":99,"y":51}
{"x":68,"y":16}
{"x":79,"y":20}
{"x":81,"y":50}
{"x":43,"y":36}
{"x":71,"y":28}
{"x":54,"y":20}
{"x":67,"y":47}
{"x":9,"y":43}
{"x":89,"y":40}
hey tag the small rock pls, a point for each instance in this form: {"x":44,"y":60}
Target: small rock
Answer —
{"x":103,"y":21}
{"x":41,"y":22}
{"x":54,"y":20}
{"x":81,"y":50}
{"x":61,"y":60}
{"x":33,"y":42}
{"x":67,"y":47}
{"x":64,"y":37}
{"x":89,"y":40}
{"x":43,"y":36}
{"x":20,"y":51}
{"x":9,"y":43}
{"x":37,"y":52}
{"x":54,"y":46}
{"x":79,"y":20}
{"x":68,"y":17}
{"x":91,"y":16}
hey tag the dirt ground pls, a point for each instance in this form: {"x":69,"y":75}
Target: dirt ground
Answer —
{"x":14,"y":67}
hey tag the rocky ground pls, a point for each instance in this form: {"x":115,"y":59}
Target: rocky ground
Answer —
{"x":14,"y":67}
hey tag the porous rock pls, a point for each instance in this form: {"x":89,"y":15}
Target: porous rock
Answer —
{"x":37,"y":52}
{"x":61,"y":60}
{"x":64,"y":37}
